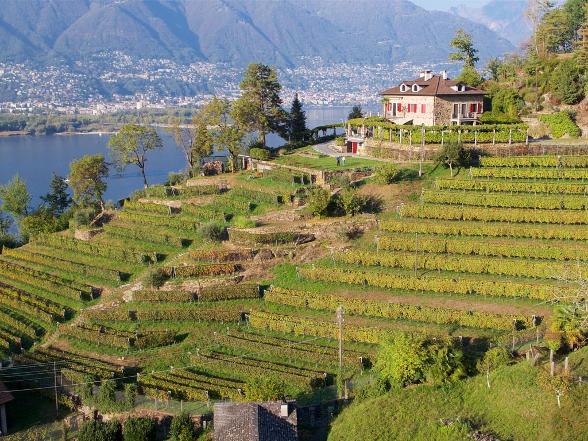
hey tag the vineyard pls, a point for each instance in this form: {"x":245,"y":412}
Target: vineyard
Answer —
{"x":477,"y":260}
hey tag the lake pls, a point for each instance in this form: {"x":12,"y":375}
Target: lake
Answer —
{"x":36,"y":158}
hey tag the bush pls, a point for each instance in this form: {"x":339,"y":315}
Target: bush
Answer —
{"x":566,"y":83}
{"x":265,"y":389}
{"x":139,"y":429}
{"x":318,"y":202}
{"x":507,"y":101}
{"x":213,"y":231}
{"x":386,"y":174}
{"x":499,"y":118}
{"x":83,"y":216}
{"x":261,"y":154}
{"x":561,"y":124}
{"x":99,"y":431}
{"x":155,"y":278}
{"x":182,"y":428}
{"x":106,"y":397}
{"x":175,"y":178}
{"x":340,"y":141}
{"x":243,"y":222}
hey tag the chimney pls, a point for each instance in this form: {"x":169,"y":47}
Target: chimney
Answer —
{"x":284,"y":410}
{"x":444,"y":74}
{"x":426,"y":75}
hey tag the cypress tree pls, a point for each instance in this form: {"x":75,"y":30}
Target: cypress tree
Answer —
{"x":297,"y":120}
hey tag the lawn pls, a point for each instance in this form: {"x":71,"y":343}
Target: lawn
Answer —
{"x":326,"y":163}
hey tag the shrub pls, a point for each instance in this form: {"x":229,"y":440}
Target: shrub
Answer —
{"x":175,"y":178}
{"x":243,"y":222}
{"x":83,"y":216}
{"x":386,"y":174}
{"x":340,"y":141}
{"x":99,"y":431}
{"x":566,"y":82}
{"x":265,"y":389}
{"x":318,"y":202}
{"x":507,"y":101}
{"x":213,"y":231}
{"x":155,"y":278}
{"x":561,"y":124}
{"x":182,"y":428}
{"x":139,"y":429}
{"x":495,"y":117}
{"x":261,"y":154}
{"x":106,"y":397}
{"x":130,"y":394}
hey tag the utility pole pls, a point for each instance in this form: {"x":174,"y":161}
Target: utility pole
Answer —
{"x":55,"y":384}
{"x":340,"y":323}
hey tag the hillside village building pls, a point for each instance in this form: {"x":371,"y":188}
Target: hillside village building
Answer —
{"x":433,"y":100}
{"x":430,"y":100}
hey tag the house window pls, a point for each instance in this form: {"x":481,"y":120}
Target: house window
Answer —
{"x":423,"y":108}
{"x":414,"y":108}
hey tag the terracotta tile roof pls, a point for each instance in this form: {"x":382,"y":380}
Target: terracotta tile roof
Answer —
{"x":436,"y":86}
{"x":5,"y":396}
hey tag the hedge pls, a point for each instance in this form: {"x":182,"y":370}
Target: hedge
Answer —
{"x":437,"y":283}
{"x":382,"y":308}
{"x":561,"y":124}
{"x":547,"y":202}
{"x":512,"y":186}
{"x":535,"y":161}
{"x":519,"y":215}
{"x":482,"y":229}
{"x":485,"y":247}
{"x":529,"y":173}
{"x":458,"y":263}
{"x":221,"y":255}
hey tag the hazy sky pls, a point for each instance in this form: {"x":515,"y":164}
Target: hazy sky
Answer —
{"x":446,"y":4}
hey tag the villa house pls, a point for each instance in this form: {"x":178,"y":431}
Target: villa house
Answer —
{"x":433,"y":100}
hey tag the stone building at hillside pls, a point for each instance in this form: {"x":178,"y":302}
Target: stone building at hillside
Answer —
{"x":270,"y":421}
{"x":432,"y":100}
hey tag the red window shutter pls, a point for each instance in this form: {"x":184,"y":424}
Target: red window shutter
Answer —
{"x":400,"y":107}
{"x":415,"y":108}
{"x":423,"y":108}
{"x":408,"y":108}
{"x":472,"y":108}
{"x":480,"y":107}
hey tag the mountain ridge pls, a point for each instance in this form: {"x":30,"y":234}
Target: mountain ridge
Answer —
{"x":281,"y":32}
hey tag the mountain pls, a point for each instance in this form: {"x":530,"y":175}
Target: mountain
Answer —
{"x":505,"y":17}
{"x":280,"y":32}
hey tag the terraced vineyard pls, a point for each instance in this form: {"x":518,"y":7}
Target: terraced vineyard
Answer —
{"x":479,"y":256}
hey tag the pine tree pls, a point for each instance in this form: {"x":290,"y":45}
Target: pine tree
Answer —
{"x":581,"y":52}
{"x":297,"y":120}
{"x":58,"y":199}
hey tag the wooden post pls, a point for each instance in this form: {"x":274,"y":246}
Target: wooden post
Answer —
{"x":340,"y":312}
{"x":494,"y":137}
{"x":442,"y":138}
{"x":55,"y":385}
{"x":510,"y":137}
{"x":567,"y":365}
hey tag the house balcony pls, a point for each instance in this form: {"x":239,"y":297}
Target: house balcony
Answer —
{"x":465,"y":118}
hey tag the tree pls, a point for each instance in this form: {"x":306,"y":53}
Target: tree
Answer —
{"x":534,"y":13}
{"x":265,"y":388}
{"x":182,"y":428}
{"x":58,"y":199}
{"x":99,"y":431}
{"x":131,"y":144}
{"x":581,"y":52}
{"x":566,"y":82}
{"x":195,"y":139}
{"x":493,"y":359}
{"x":297,"y":120}
{"x":87,"y":178}
{"x":41,"y":221}
{"x":139,"y":429}
{"x":470,"y":76}
{"x":15,"y":197}
{"x":356,"y":112}
{"x":493,"y":69}
{"x":555,"y":34}
{"x":560,"y":383}
{"x":444,"y":364}
{"x":466,"y":51}
{"x":453,"y":154}
{"x":259,"y":109}
{"x":401,"y":360}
